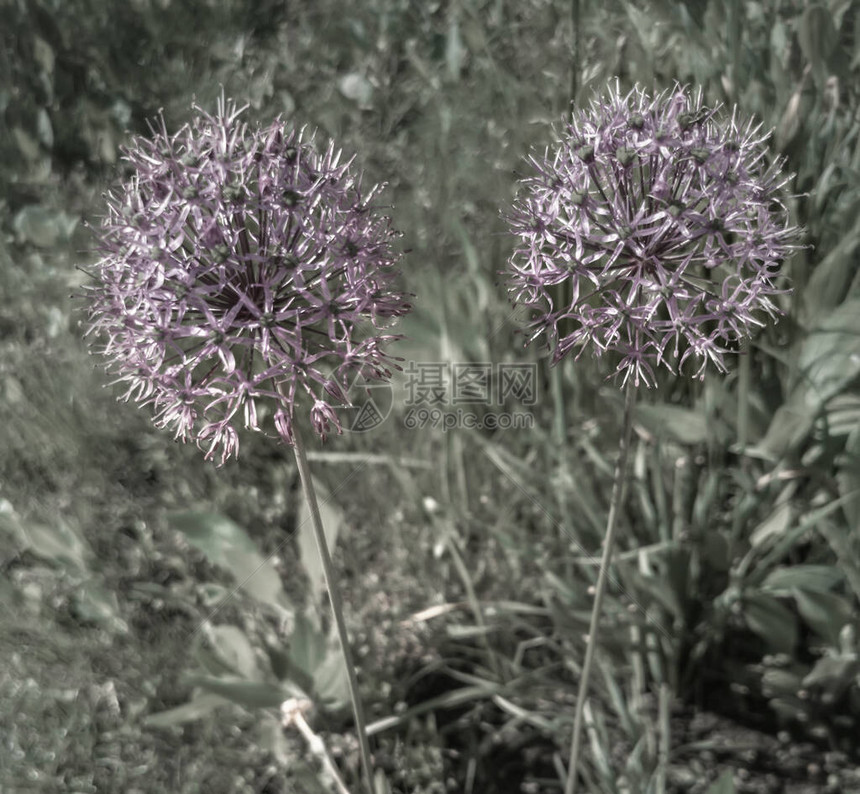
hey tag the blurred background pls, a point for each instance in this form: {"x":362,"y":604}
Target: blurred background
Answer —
{"x":137,"y":655}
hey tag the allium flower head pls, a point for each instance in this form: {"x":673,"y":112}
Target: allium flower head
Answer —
{"x":243,"y":274}
{"x":660,"y":223}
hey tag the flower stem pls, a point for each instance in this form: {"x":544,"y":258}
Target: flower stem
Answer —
{"x":336,"y":605}
{"x":744,"y":371}
{"x":602,"y":579}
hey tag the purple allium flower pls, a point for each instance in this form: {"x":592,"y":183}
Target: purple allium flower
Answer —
{"x":660,"y":223}
{"x":242,"y":274}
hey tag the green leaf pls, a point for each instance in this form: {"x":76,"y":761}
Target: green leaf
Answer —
{"x":723,"y":785}
{"x":772,"y":621}
{"x":235,"y":651}
{"x":307,"y":780}
{"x":833,"y":673}
{"x":671,"y":421}
{"x":790,"y":708}
{"x":43,"y":55}
{"x":773,"y":527}
{"x":331,"y":684}
{"x":661,"y":590}
{"x":210,"y":661}
{"x":227,"y":545}
{"x":43,"y":227}
{"x":826,"y":613}
{"x":315,"y":664}
{"x":843,"y":414}
{"x":715,"y":551}
{"x":57,"y":543}
{"x":819,"y":578}
{"x":307,"y":645}
{"x":843,"y":542}
{"x":97,"y":606}
{"x":848,"y":478}
{"x":250,"y":694}
{"x":273,"y":739}
{"x":333,"y":521}
{"x":201,"y":706}
{"x":281,"y":664}
{"x":455,"y":52}
{"x":28,"y":145}
{"x":311,"y":662}
{"x":788,"y":429}
{"x":830,"y":354}
{"x":817,"y":37}
{"x":832,"y":277}
{"x":678,"y":577}
{"x":452,"y":699}
{"x":777,"y":683}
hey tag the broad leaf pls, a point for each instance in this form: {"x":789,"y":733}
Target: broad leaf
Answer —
{"x":250,"y":694}
{"x":43,"y":227}
{"x":235,"y":651}
{"x":306,"y":662}
{"x":57,"y":542}
{"x":772,"y":621}
{"x":820,"y":578}
{"x":333,"y":522}
{"x":832,"y":277}
{"x":227,"y":545}
{"x":848,"y":478}
{"x":308,"y":780}
{"x":825,"y":613}
{"x":790,"y":708}
{"x":790,"y":426}
{"x":833,"y":673}
{"x":660,"y":588}
{"x":776,"y":682}
{"x":830,"y":354}
{"x":818,"y":39}
{"x":202,"y":705}
{"x":773,"y":527}
{"x":331,"y":684}
{"x":673,"y":422}
{"x":678,"y":578}
{"x":273,"y":739}
{"x":307,"y":645}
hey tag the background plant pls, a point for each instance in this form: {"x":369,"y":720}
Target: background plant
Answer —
{"x":476,"y":605}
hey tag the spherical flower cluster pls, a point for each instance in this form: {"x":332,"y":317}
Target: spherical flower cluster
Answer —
{"x":653,"y":230}
{"x":243,"y":273}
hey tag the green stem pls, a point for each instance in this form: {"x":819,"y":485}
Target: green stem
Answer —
{"x":336,"y":605}
{"x":602,"y":579}
{"x":575,"y":48}
{"x":556,"y":375}
{"x":743,"y":422}
{"x":665,"y":729}
{"x":735,"y":43}
{"x":744,"y":371}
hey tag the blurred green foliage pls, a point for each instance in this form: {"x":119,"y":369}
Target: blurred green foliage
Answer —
{"x":737,"y":582}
